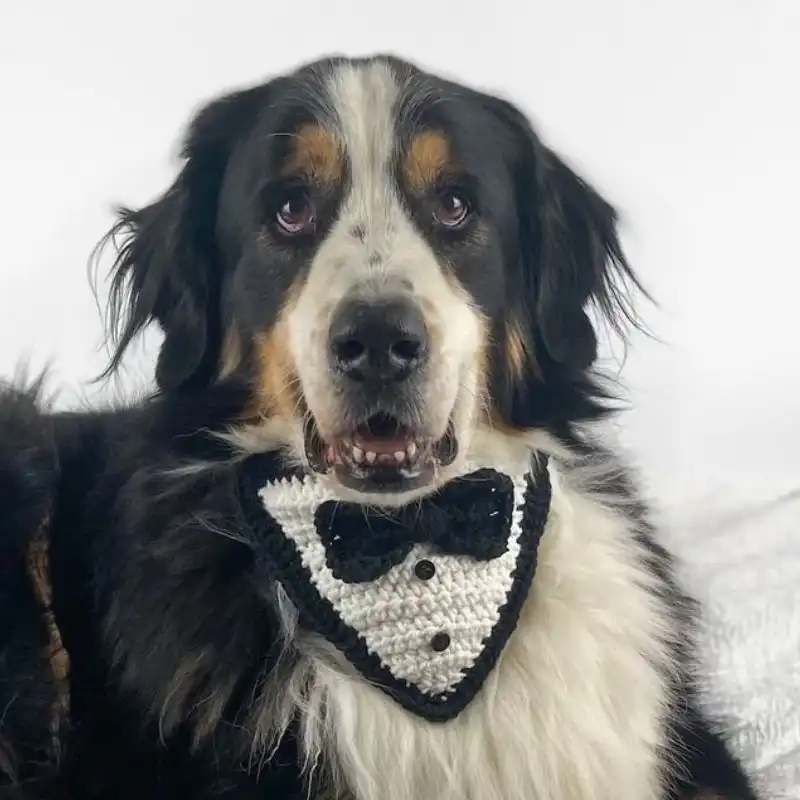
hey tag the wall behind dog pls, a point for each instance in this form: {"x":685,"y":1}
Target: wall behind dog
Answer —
{"x":685,"y":114}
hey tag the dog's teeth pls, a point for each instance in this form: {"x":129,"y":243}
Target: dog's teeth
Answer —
{"x":399,"y":456}
{"x":370,"y":457}
{"x":411,"y":450}
{"x":358,"y":454}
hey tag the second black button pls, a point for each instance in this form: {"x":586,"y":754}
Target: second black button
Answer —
{"x":424,"y":569}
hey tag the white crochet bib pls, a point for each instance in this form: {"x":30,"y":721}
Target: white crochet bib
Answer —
{"x":425,"y":624}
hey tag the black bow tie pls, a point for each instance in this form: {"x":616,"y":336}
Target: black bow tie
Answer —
{"x":469,"y":516}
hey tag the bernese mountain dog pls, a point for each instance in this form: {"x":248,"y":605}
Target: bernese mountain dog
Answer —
{"x":373,"y":283}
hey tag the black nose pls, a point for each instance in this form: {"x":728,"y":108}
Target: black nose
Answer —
{"x":378,"y":340}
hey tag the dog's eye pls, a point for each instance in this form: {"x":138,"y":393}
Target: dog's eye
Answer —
{"x":452,"y":209}
{"x":297,"y":214}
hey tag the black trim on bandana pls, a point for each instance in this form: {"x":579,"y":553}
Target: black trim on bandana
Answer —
{"x":281,"y":561}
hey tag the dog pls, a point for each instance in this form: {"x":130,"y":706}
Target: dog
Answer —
{"x":379,"y":277}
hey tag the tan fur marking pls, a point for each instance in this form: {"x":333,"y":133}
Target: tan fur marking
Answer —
{"x":520,"y":360}
{"x":276,"y":387}
{"x":38,"y":567}
{"x":427,"y":158}
{"x":516,"y":350}
{"x":317,"y":154}
{"x":278,"y":390}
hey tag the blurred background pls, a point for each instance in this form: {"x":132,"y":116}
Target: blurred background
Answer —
{"x":685,"y":114}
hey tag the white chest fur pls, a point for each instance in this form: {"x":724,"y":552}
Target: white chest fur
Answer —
{"x":572,"y":711}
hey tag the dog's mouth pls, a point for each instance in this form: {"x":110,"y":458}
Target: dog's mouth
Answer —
{"x":381,"y":455}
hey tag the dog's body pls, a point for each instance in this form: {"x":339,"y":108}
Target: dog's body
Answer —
{"x":348,"y":277}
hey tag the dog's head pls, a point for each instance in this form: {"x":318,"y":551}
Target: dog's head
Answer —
{"x":395,"y":263}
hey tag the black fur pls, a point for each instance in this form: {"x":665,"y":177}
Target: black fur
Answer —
{"x":134,"y":562}
{"x":28,"y":477}
{"x":169,"y":629}
{"x":570,"y":258}
{"x":168,"y":254}
{"x":137,"y":555}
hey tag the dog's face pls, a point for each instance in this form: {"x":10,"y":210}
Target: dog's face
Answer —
{"x":394,"y":263}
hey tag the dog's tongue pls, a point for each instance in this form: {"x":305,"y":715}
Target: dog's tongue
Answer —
{"x":382,"y":445}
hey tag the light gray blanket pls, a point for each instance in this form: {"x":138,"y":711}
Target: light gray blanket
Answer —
{"x":741,"y":558}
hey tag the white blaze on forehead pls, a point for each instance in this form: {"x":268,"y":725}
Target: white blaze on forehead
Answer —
{"x":373,"y":244}
{"x":388,"y":248}
{"x":374,"y":247}
{"x":363,"y":99}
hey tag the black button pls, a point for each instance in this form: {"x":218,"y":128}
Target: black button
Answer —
{"x":424,"y":569}
{"x":440,"y":642}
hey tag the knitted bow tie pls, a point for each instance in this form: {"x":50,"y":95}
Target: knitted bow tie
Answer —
{"x":468,"y":517}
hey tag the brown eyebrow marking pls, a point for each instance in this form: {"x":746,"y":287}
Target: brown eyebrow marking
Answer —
{"x":317,"y":154}
{"x":428,"y":157}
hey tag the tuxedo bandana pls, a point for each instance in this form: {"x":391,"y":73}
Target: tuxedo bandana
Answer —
{"x":420,"y":599}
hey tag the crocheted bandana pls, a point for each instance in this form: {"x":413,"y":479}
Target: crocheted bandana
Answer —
{"x":420,"y":599}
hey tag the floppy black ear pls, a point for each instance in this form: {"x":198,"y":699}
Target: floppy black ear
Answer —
{"x":569,"y":259}
{"x":168,"y":267}
{"x":571,"y":256}
{"x":580,"y":261}
{"x":577,"y":262}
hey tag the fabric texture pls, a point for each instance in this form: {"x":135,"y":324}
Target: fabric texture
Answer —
{"x":740,"y":556}
{"x":421,"y":600}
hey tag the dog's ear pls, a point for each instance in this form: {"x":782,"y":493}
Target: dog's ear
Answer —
{"x":578,"y":262}
{"x":569,"y":259}
{"x":167,"y":266}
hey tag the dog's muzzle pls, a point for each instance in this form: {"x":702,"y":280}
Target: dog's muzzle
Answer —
{"x":378,"y":357}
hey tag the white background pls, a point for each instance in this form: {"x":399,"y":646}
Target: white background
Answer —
{"x":685,"y":113}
